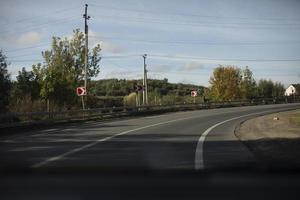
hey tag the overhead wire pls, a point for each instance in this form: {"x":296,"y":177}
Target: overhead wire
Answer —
{"x":194,"y":22}
{"x":27,"y":60}
{"x":197,"y":24}
{"x":221,"y":59}
{"x":34,"y":18}
{"x":43,"y":44}
{"x":41,"y":25}
{"x":116,"y":65}
{"x":196,"y":15}
{"x":170,"y":42}
{"x":195,"y":42}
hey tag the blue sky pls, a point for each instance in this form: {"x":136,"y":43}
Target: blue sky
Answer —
{"x":184,"y":40}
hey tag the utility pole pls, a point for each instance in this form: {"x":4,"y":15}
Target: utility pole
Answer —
{"x":145,"y":91}
{"x":86,"y":17}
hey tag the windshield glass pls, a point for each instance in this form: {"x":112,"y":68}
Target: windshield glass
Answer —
{"x":149,"y":85}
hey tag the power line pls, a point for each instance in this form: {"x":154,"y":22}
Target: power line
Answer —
{"x":222,"y":59}
{"x":177,"y":72}
{"x":197,"y":24}
{"x":120,"y":56}
{"x":159,"y":20}
{"x":29,"y":47}
{"x":184,"y":58}
{"x":195,"y":42}
{"x":116,"y":65}
{"x":197,"y":15}
{"x":27,"y":60}
{"x":20,"y":56}
{"x":125,"y":70}
{"x":203,"y":58}
{"x":41,"y":25}
{"x":21,"y":19}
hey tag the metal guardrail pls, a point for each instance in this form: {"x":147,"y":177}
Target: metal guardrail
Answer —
{"x":15,"y":119}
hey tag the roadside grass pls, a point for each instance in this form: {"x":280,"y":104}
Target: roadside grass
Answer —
{"x":295,"y":119}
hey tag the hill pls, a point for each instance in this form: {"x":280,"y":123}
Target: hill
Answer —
{"x":159,"y":91}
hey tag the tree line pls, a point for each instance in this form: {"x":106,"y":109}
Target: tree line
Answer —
{"x":50,"y":86}
{"x":232,"y":83}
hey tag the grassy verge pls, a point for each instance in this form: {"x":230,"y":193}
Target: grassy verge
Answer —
{"x":295,"y":119}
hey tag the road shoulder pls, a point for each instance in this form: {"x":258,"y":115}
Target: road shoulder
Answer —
{"x":274,"y":139}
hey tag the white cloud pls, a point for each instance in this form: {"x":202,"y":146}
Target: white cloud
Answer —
{"x":109,"y":47}
{"x":106,"y":46}
{"x":160,"y":68}
{"x":29,"y":38}
{"x":16,"y":41}
{"x":186,"y":58}
{"x":190,"y":66}
{"x":123,"y":74}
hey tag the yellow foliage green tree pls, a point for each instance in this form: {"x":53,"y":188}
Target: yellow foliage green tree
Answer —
{"x":225,"y":83}
{"x":130,"y":100}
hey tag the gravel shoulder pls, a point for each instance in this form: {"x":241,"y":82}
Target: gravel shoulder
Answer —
{"x":274,"y":139}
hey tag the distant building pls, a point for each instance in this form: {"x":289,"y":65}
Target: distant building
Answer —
{"x":292,"y":89}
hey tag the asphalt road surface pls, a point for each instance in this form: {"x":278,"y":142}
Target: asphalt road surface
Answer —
{"x":202,"y":139}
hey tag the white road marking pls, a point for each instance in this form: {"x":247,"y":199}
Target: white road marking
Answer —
{"x":61,"y":156}
{"x":198,"y":153}
{"x":199,"y":162}
{"x":48,"y":130}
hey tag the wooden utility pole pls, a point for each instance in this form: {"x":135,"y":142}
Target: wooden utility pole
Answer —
{"x":145,"y":91}
{"x":86,"y":17}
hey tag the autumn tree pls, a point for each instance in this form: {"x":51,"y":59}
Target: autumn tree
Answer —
{"x":225,"y":83}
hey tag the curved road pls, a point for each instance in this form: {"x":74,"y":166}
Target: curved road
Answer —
{"x":202,"y":139}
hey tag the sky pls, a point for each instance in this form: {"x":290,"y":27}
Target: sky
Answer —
{"x":184,"y":39}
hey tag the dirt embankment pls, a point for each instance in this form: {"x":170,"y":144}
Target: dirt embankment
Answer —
{"x":274,"y":139}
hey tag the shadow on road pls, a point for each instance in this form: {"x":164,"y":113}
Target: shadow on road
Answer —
{"x":165,"y":151}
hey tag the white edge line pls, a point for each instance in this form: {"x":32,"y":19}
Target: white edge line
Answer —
{"x":199,"y":161}
{"x":59,"y":157}
{"x":199,"y":164}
